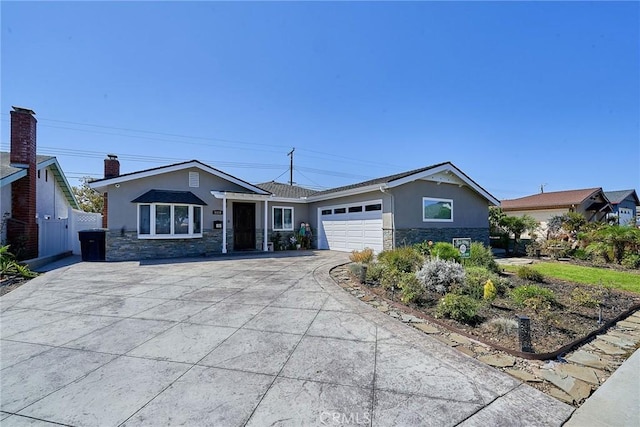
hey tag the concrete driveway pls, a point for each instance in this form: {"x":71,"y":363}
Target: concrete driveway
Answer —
{"x":257,"y":341}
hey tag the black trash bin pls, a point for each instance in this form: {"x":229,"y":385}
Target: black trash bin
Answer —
{"x":92,"y":244}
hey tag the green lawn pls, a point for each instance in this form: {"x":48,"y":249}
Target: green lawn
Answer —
{"x":587,"y":275}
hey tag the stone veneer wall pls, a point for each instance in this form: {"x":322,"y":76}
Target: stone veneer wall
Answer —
{"x":409,"y":236}
{"x":387,"y":239}
{"x":127,"y":247}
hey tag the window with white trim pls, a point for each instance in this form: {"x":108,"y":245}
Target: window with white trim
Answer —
{"x":282,"y":218}
{"x":166,"y":221}
{"x":437,"y":210}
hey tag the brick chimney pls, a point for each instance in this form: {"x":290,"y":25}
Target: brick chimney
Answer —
{"x":22,"y":229}
{"x":111,"y":170}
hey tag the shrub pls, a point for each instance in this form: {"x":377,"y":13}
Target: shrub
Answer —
{"x":445,"y":251}
{"x":374,"y":273}
{"x":461,"y":308}
{"x":405,"y":259}
{"x":438,"y":275}
{"x":364,"y":256}
{"x":424,"y":247}
{"x":529,"y":273}
{"x":359,"y":270}
{"x":410,"y":287}
{"x":475,"y":278}
{"x":581,"y":254}
{"x":490,"y":291}
{"x":587,"y":297}
{"x":390,"y":278}
{"x":533,"y":296}
{"x":502,"y":325}
{"x":631,"y":261}
{"x":9,"y":267}
{"x":481,"y":256}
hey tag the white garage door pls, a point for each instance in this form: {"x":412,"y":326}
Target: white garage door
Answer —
{"x":351,"y":227}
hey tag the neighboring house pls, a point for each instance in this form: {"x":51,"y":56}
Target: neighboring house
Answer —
{"x":590,"y":202}
{"x":35,"y":194}
{"x":191,"y":209}
{"x":624,"y":204}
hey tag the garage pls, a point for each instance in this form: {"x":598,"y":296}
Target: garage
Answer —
{"x":350,"y":227}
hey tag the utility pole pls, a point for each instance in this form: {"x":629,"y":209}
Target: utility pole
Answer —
{"x":290,"y":154}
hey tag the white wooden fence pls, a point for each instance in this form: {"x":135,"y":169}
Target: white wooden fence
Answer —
{"x":78,"y":221}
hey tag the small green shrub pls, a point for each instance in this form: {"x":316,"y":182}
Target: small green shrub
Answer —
{"x":461,"y":308}
{"x":533,"y":296}
{"x":424,"y":247}
{"x":445,"y":251}
{"x":529,"y":273}
{"x":440,"y":276}
{"x":364,"y":256}
{"x":410,"y":287}
{"x":581,"y":254}
{"x":490,"y":291}
{"x":587,"y":297}
{"x":9,"y":267}
{"x":390,"y":278}
{"x":631,"y":261}
{"x":481,"y":256}
{"x":359,"y":270}
{"x":374,"y":273}
{"x":405,"y":259}
{"x":502,"y":325}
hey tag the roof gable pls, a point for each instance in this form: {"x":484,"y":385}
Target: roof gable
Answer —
{"x":554,"y":199}
{"x":616,"y":197}
{"x":10,"y":173}
{"x":101,"y":184}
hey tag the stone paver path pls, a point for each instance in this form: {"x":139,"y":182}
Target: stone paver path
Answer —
{"x":256,"y":340}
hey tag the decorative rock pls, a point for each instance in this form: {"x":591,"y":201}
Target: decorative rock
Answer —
{"x":633,"y":319}
{"x":408,"y":318}
{"x":426,"y":328}
{"x":585,"y":374}
{"x":459,"y":339}
{"x":587,"y":359}
{"x":607,"y":348}
{"x":394,"y":314}
{"x":498,"y":360}
{"x":368,"y":298}
{"x":523,"y":375}
{"x":383,"y":308}
{"x":561,"y":395}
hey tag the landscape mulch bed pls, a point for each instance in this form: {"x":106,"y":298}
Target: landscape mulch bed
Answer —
{"x":553,"y":331}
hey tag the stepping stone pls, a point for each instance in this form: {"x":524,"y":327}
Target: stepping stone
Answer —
{"x":629,"y":325}
{"x":426,"y":328}
{"x":625,"y":335}
{"x":632,"y":319}
{"x":580,"y":372}
{"x":523,"y":375}
{"x":466,"y":351}
{"x":620,"y":342}
{"x":561,"y":395}
{"x":368,"y":298}
{"x":446,"y":340}
{"x":575,"y":388}
{"x":459,"y":339}
{"x":585,"y":358}
{"x":383,"y":308}
{"x":607,"y":348}
{"x":498,"y":360}
{"x":394,"y":314}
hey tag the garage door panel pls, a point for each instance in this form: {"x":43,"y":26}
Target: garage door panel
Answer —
{"x":351,"y":231}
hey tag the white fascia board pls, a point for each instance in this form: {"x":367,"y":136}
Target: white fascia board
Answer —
{"x":289,"y":199}
{"x":6,"y":180}
{"x":229,"y":195}
{"x":344,"y":193}
{"x":173,"y":168}
{"x":444,"y":168}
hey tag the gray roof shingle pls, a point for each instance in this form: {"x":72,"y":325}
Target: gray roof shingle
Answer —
{"x":279,"y":189}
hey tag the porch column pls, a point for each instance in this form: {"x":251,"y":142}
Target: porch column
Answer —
{"x":224,"y":224}
{"x":265,"y":239}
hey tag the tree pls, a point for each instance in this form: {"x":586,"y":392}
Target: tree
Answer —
{"x":517,"y":225}
{"x":88,"y":199}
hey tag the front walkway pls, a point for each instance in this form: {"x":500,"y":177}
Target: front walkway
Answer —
{"x":265,"y":340}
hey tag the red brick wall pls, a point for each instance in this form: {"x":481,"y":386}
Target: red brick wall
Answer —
{"x":22,"y":230}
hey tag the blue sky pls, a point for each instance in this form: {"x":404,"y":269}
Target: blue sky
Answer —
{"x":516,"y":94}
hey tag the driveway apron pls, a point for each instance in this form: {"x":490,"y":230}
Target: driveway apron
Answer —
{"x":257,"y":340}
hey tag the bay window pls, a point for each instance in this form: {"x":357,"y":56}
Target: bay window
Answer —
{"x":160,"y":220}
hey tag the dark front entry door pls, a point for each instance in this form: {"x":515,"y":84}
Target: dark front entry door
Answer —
{"x":244,"y":226}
